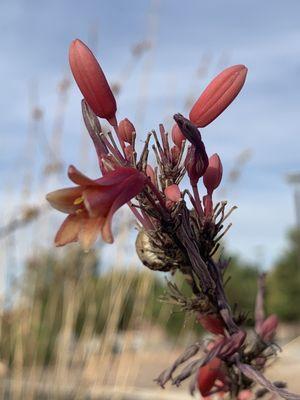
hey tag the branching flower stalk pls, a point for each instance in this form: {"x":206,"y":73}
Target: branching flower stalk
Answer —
{"x":172,"y":236}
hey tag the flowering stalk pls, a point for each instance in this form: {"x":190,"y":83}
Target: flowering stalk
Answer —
{"x":172,"y":236}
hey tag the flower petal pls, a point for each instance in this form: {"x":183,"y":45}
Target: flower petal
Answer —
{"x":116,"y":176}
{"x":89,"y":231}
{"x":130,"y":188}
{"x":98,"y":200}
{"x":78,"y":177}
{"x":69,"y":230}
{"x":63,"y":199}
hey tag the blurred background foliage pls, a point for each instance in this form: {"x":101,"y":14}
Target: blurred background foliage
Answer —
{"x":284,"y":281}
{"x":71,"y":295}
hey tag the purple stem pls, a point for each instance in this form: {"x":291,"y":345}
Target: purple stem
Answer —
{"x":197,"y":201}
{"x":113,"y":150}
{"x":157,"y":194}
{"x":122,"y":144}
{"x":137,"y":215}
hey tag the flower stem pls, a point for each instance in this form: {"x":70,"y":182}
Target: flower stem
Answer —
{"x":197,"y":201}
{"x":137,"y":215}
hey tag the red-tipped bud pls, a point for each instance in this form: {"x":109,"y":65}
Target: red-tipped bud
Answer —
{"x":173,"y":193}
{"x":268,"y":328}
{"x":177,"y":136}
{"x":92,"y":81}
{"x":126,"y":129}
{"x":213,"y":175}
{"x":217,"y":96}
{"x":212,"y":323}
{"x":150,"y":173}
{"x":196,"y":163}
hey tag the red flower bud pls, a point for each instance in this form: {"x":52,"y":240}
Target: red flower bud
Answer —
{"x":92,"y":81}
{"x":217,"y":96}
{"x":196,"y":163}
{"x":268,"y":328}
{"x":173,"y":193}
{"x":207,"y":376}
{"x":177,"y":136}
{"x":126,"y":129}
{"x":213,"y":175}
{"x":212,"y":323}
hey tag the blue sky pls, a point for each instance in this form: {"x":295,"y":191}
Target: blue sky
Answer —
{"x":265,"y":36}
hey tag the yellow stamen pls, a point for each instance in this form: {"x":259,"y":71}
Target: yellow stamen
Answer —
{"x":78,"y":201}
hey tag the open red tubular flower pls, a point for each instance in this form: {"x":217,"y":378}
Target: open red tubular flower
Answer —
{"x":207,"y":376}
{"x":92,"y":203}
{"x":213,"y":174}
{"x":217,"y":96}
{"x":92,"y":81}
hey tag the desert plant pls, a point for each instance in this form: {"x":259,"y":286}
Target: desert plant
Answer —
{"x":172,"y":237}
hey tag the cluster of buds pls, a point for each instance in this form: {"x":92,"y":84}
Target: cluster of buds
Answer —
{"x":172,"y":235}
{"x":229,"y":364}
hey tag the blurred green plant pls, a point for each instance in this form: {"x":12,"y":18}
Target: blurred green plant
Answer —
{"x":241,"y":288}
{"x":283,"y":284}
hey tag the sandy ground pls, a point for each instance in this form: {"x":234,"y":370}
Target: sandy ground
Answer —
{"x":130,"y":376}
{"x":138,"y":371}
{"x":287,"y":367}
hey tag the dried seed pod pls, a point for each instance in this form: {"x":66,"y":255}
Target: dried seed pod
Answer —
{"x":159,"y":253}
